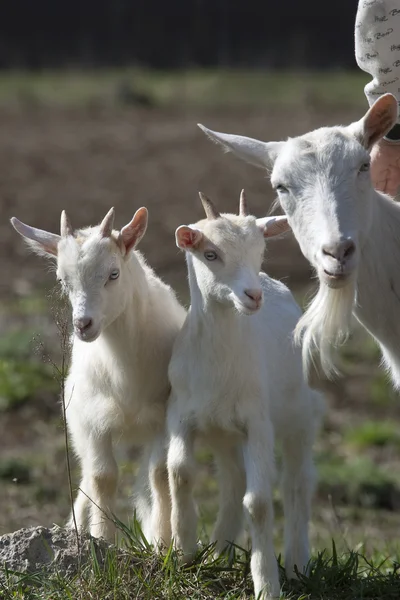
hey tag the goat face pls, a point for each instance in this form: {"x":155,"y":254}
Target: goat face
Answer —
{"x":91,"y":272}
{"x":324,"y":186}
{"x":225,"y":258}
{"x":225,"y":254}
{"x":91,"y":265}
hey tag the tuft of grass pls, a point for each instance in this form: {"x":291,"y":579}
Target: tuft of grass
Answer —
{"x":349,"y":577}
{"x":374,"y":433}
{"x":135,"y":571}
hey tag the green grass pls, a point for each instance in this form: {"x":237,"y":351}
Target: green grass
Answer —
{"x":14,"y":469}
{"x":357,"y":481}
{"x":25,"y":369}
{"x":357,"y":350}
{"x":22,"y":373}
{"x":20,"y":380}
{"x":211,"y":87}
{"x":135,"y":571}
{"x":381,"y":390}
{"x":374,"y":434}
{"x":27,"y":306}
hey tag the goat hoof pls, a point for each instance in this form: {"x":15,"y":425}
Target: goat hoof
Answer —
{"x":292,"y":571}
{"x":188,"y":558}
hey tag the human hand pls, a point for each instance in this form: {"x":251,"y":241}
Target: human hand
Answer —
{"x":385,"y":167}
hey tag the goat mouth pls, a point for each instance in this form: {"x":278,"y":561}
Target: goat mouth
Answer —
{"x":87,"y":336}
{"x":335,"y":280}
{"x":245,"y":309}
{"x":336,"y":276}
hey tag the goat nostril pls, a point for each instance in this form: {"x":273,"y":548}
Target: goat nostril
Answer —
{"x":255,"y":295}
{"x":326,"y":251}
{"x":339,"y":251}
{"x":349,"y":248}
{"x":83,"y":324}
{"x":88,"y":324}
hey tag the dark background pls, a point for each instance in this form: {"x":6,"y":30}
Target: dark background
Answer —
{"x":38,"y":34}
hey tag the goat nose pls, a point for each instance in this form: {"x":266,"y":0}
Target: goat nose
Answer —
{"x":340,"y":250}
{"x":254,"y":294}
{"x":83,"y":324}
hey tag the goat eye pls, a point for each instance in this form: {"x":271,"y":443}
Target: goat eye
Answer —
{"x":114,"y":274}
{"x":281,"y":189}
{"x":364,"y":167}
{"x":210,"y":255}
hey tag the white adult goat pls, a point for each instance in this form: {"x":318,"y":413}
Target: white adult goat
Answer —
{"x":347,"y":230}
{"x":237,"y":382}
{"x":118,"y":384}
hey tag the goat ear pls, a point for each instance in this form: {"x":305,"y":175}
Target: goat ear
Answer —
{"x":132,"y":233}
{"x":273,"y":226}
{"x":380,"y":119}
{"x":188,"y":238}
{"x":42,"y":242}
{"x":255,"y":152}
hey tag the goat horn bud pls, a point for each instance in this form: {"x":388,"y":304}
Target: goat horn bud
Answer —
{"x":107,"y":223}
{"x":209,"y":208}
{"x":65,"y":225}
{"x":243,"y":209}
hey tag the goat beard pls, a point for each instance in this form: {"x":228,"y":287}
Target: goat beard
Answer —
{"x":324,"y":326}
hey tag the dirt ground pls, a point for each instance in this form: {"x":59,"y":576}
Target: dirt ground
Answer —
{"x":87,"y":160}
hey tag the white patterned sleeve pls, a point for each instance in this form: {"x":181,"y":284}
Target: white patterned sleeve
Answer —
{"x":377,"y":44}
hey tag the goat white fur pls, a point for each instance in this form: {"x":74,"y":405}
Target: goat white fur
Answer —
{"x":237,"y":382}
{"x":347,"y":230}
{"x":118,"y":384}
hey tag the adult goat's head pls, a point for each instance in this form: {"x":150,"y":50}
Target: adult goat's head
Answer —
{"x":91,"y":267}
{"x":323,"y":184}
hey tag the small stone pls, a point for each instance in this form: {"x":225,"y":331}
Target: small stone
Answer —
{"x":54,"y":550}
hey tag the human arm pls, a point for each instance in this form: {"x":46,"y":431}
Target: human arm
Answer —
{"x":377,"y":45}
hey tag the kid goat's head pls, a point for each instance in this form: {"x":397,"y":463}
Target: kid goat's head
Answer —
{"x":226,"y":253}
{"x":90,"y":267}
{"x":323,"y":184}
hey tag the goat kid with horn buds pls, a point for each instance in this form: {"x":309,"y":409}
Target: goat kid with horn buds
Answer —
{"x":117,"y":385}
{"x":237,"y":382}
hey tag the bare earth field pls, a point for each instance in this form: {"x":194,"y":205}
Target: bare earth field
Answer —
{"x":89,"y":158}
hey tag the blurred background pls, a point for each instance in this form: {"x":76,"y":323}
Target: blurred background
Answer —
{"x":98,"y":107}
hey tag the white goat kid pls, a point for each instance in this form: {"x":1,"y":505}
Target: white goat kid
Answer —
{"x":118,"y":384}
{"x":237,"y":382}
{"x":347,"y":230}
